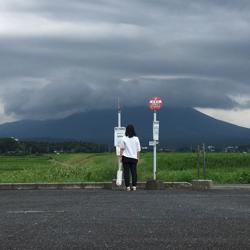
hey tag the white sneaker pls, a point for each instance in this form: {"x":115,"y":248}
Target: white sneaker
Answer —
{"x":134,"y":188}
{"x":128,"y":189}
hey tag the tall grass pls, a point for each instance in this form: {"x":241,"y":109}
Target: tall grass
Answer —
{"x":221,"y":167}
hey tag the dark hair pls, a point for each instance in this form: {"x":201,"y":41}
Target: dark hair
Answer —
{"x":130,"y":131}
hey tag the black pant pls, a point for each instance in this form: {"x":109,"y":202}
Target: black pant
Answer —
{"x":129,"y":164}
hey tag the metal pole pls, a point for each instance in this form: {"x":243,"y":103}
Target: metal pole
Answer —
{"x":154,"y":150}
{"x":198,"y":161}
{"x":119,"y":113}
{"x":119,"y":125}
{"x":204,"y":161}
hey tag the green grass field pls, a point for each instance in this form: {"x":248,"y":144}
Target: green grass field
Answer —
{"x":221,"y":167}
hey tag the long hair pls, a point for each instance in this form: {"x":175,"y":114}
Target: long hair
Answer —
{"x":130,"y":131}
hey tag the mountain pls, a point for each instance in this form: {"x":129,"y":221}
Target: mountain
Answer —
{"x":179,"y":127}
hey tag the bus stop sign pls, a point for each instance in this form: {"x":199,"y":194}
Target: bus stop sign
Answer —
{"x":155,"y":103}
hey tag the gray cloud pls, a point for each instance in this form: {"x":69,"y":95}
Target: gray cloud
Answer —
{"x":61,"y":57}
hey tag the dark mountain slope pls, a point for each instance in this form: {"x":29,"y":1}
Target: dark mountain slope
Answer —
{"x":178,"y":127}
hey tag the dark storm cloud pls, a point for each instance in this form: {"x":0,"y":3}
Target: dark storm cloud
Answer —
{"x":61,"y":57}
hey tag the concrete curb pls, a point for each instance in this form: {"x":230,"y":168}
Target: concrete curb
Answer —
{"x":83,"y":185}
{"x":231,"y":187}
{"x":112,"y":186}
{"x":202,"y":184}
{"x":55,"y":186}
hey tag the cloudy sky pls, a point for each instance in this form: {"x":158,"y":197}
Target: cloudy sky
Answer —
{"x":60,"y":57}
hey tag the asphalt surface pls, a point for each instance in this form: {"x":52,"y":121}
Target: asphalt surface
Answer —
{"x":106,"y":219}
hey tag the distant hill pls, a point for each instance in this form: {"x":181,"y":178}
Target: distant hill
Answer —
{"x":179,"y":127}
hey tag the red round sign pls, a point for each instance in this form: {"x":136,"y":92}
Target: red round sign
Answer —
{"x":155,"y":103}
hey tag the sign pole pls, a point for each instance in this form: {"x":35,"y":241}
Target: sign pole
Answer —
{"x":119,"y":113}
{"x":155,"y":103}
{"x":154,"y":174}
{"x":119,"y":133}
{"x":119,"y":126}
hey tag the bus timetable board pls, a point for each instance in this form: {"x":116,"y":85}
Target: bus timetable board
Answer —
{"x":156,"y":130}
{"x":119,"y":132}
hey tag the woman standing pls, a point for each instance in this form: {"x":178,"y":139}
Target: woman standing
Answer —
{"x":129,"y":155}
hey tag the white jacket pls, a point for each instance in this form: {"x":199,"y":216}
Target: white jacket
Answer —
{"x":131,"y":146}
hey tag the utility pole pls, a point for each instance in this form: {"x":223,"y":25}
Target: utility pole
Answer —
{"x":119,"y":132}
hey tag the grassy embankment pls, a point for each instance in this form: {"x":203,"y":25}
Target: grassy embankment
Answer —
{"x":221,"y":167}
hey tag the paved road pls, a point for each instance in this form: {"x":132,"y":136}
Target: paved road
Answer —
{"x":105,"y":219}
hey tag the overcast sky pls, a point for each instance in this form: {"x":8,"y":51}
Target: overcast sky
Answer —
{"x":60,"y":57}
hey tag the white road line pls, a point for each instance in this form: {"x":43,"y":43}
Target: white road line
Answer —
{"x":33,"y":212}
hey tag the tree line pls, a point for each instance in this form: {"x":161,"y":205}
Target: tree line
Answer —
{"x":15,"y":146}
